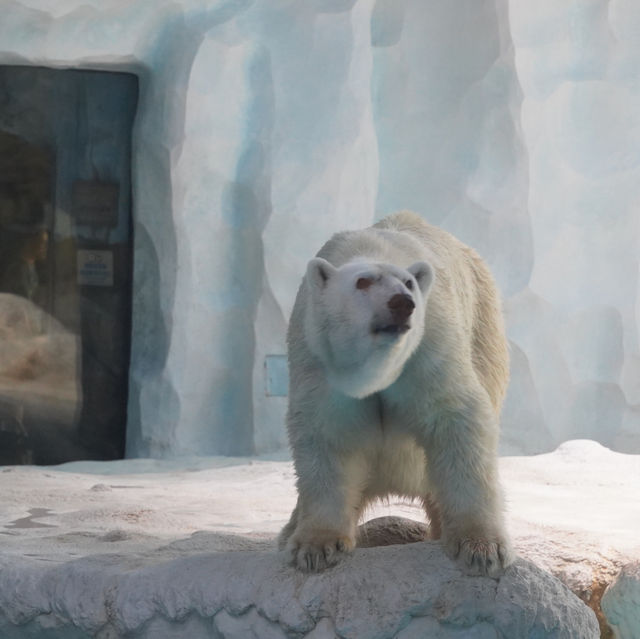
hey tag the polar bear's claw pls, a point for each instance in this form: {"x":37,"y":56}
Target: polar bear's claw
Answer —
{"x":483,"y":557}
{"x":318,"y":552}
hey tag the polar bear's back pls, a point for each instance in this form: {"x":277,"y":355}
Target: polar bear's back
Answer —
{"x":464,"y":310}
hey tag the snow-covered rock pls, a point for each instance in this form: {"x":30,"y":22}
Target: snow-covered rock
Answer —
{"x":575,"y":513}
{"x":621,"y":603}
{"x":587,"y":570}
{"x":406,"y":591}
{"x":570,"y":512}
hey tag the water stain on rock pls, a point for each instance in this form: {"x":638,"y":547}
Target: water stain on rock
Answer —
{"x":28,"y":522}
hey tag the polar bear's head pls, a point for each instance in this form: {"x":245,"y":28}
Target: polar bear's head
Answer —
{"x":364,"y":320}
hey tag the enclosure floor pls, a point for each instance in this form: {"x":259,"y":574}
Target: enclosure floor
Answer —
{"x":567,"y":511}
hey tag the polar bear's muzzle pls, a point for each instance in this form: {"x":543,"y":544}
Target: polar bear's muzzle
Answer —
{"x":391,"y":329}
{"x":400,"y":308}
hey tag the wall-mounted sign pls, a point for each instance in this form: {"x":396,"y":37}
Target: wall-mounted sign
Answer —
{"x":95,"y":203}
{"x":95,"y":268}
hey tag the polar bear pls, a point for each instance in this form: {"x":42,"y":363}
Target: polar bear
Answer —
{"x":399,"y":366}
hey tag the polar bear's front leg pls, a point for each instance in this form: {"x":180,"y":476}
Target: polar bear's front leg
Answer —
{"x":329,"y":503}
{"x":462,"y":468}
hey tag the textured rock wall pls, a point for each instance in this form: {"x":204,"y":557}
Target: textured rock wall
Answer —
{"x":264,"y":127}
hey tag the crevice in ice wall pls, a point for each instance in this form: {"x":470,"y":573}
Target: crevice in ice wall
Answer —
{"x":220,"y":169}
{"x":246,"y":208}
{"x":152,"y":347}
{"x":168,"y":403}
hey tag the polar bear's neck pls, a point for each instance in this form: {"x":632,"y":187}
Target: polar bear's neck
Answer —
{"x":378,"y":371}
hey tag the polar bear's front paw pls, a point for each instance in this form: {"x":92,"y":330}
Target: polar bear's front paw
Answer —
{"x":479,"y":556}
{"x":318,"y":549}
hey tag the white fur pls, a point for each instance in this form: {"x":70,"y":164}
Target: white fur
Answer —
{"x":412,"y":413}
{"x":339,"y":317}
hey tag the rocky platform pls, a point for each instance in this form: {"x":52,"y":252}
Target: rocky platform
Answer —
{"x":144,"y":548}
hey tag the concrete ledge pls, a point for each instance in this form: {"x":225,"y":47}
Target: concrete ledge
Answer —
{"x":395,"y":591}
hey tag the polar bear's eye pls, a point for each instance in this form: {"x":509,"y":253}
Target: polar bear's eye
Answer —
{"x":409,"y":284}
{"x":364,"y":282}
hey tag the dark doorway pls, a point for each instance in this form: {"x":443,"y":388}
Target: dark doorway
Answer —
{"x":65,"y":263}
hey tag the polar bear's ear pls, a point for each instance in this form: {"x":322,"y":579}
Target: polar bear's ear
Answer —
{"x":318,"y":273}
{"x":424,"y":275}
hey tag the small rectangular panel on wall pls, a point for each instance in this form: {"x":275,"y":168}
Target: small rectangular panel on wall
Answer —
{"x":276,"y":376}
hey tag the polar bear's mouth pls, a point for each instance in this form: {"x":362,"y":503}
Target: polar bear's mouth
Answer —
{"x":391,"y":329}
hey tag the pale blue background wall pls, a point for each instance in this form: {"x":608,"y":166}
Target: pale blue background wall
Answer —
{"x":265,"y":126}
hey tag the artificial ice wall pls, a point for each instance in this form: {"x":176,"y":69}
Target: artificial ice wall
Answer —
{"x":264,"y":126}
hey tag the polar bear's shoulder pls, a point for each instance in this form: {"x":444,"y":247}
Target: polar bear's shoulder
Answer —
{"x":411,"y":224}
{"x":403,"y":221}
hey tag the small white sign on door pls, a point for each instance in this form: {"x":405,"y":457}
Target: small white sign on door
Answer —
{"x":95,"y":268}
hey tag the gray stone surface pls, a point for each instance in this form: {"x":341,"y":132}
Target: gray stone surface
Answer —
{"x":395,"y":591}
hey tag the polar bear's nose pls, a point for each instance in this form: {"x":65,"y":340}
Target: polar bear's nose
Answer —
{"x":401,"y":306}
